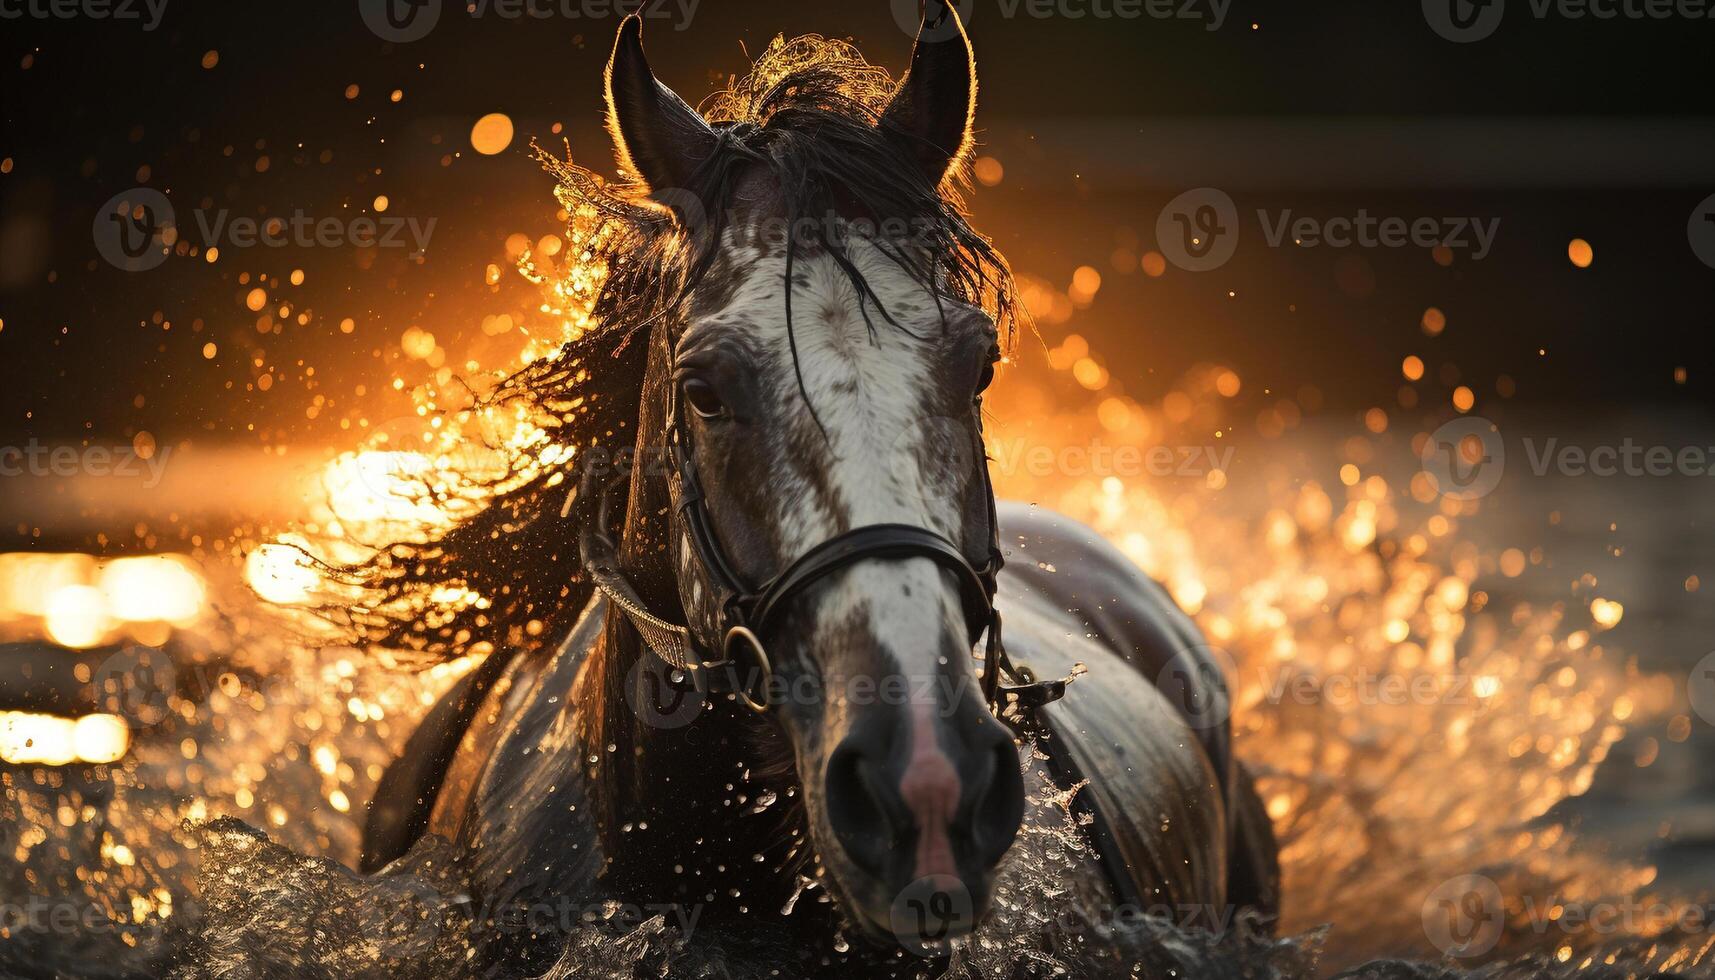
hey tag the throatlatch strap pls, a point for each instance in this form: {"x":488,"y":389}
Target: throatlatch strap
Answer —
{"x":669,"y":641}
{"x":600,"y":559}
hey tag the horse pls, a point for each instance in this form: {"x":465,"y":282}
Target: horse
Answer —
{"x":780,"y":658}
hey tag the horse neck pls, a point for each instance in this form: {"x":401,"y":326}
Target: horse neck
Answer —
{"x":670,"y":797}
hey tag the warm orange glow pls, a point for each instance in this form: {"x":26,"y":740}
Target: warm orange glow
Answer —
{"x":1606,"y":613}
{"x":1512,"y":563}
{"x":281,"y":574}
{"x":417,"y":343}
{"x":1090,"y":374}
{"x":1086,"y":282}
{"x":1580,"y":252}
{"x":492,"y":133}
{"x":46,"y":740}
{"x":80,"y":603}
{"x":1434,"y":321}
{"x":156,"y":588}
{"x":77,"y":617}
{"x":1412,"y":368}
{"x":989,"y":171}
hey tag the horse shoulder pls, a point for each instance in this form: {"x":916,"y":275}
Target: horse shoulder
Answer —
{"x":1159,"y":776}
{"x":1156,"y":794}
{"x":1095,"y":590}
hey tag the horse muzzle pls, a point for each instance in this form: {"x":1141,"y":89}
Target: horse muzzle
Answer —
{"x":924,"y":803}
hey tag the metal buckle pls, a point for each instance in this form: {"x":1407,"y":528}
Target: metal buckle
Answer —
{"x":756,"y":700}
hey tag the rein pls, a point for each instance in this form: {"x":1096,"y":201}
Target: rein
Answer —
{"x":721,"y":645}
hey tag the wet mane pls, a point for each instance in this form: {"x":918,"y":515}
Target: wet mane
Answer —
{"x":808,"y":113}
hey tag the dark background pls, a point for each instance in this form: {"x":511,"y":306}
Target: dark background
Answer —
{"x":1323,"y":107}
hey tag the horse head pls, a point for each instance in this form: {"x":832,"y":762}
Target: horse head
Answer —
{"x":824,"y":375}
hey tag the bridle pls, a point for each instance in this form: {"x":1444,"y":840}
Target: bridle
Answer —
{"x":720,"y":646}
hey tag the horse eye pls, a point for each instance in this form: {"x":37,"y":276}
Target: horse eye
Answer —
{"x":986,"y":378}
{"x":703,"y":398}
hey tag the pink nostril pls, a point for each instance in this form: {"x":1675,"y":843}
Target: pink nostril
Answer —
{"x":930,"y":789}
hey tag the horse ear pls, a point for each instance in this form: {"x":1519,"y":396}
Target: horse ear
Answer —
{"x":935,"y":108}
{"x":655,"y":134}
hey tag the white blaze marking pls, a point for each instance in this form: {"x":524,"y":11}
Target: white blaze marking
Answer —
{"x":869,"y":396}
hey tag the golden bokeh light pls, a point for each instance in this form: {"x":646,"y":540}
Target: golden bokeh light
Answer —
{"x":1434,"y":322}
{"x":48,"y":740}
{"x":988,"y":171}
{"x":1086,"y":282}
{"x":77,"y":617}
{"x":492,"y":134}
{"x":281,"y":574}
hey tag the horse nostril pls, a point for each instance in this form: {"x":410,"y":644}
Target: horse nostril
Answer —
{"x":867,"y":816}
{"x":997,"y":809}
